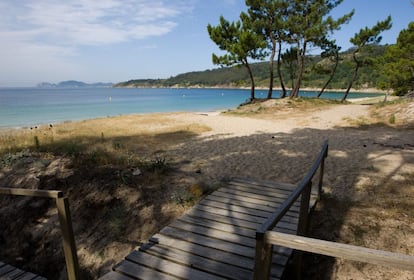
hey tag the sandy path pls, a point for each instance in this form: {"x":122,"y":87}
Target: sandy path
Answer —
{"x":233,"y":126}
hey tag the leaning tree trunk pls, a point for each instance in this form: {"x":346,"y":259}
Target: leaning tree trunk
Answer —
{"x":353,"y":77}
{"x":271,"y":74}
{"x":252,"y":97}
{"x":301,"y":55}
{"x":330,"y":78}
{"x":279,"y":71}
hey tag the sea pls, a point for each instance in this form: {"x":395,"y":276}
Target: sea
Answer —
{"x":26,"y":107}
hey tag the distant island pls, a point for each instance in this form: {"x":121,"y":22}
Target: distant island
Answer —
{"x":72,"y":84}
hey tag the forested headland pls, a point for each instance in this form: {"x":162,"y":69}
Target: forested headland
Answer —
{"x":236,"y":76}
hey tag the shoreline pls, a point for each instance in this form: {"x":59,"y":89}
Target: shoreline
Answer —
{"x":377,"y":97}
{"x":364,"y":90}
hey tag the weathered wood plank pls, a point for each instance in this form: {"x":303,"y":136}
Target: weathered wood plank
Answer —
{"x":339,"y":250}
{"x":209,"y":224}
{"x":249,"y":241}
{"x":216,"y":238}
{"x":280,"y":257}
{"x":142,"y":272}
{"x":9,"y":272}
{"x":169,"y":267}
{"x":212,"y":217}
{"x":115,"y":276}
{"x":263,"y":183}
{"x":13,"y":274}
{"x":291,"y":218}
{"x":235,"y":208}
{"x":248,"y":202}
{"x":264,"y":196}
{"x":205,"y":251}
{"x":209,"y":242}
{"x":199,"y":262}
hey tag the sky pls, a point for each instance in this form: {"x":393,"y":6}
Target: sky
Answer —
{"x":119,"y":40}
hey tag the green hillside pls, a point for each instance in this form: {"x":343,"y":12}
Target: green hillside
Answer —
{"x":237,"y":76}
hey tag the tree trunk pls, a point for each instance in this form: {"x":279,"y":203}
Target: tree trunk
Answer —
{"x":279,"y":72}
{"x":252,"y":97}
{"x":353,"y":76}
{"x":330,"y":78}
{"x":301,"y":55}
{"x":271,"y":74}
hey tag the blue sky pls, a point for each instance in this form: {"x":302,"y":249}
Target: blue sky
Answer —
{"x":118,"y":40}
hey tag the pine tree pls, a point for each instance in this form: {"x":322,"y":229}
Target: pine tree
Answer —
{"x":269,"y":18}
{"x":398,"y":63}
{"x":362,"y":40}
{"x":240,"y":43}
{"x":307,"y":23}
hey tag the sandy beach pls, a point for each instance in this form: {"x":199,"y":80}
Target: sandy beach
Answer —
{"x":368,"y":183}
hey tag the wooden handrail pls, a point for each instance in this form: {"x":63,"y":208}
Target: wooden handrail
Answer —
{"x":339,"y":250}
{"x":264,"y":250}
{"x":285,"y":206}
{"x":65,"y":220}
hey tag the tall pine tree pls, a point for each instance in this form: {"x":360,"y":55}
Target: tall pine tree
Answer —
{"x":269,"y":18}
{"x":239,"y":43}
{"x":307,"y":23}
{"x":362,"y":40}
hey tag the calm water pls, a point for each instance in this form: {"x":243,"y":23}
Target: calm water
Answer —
{"x":21,"y":107}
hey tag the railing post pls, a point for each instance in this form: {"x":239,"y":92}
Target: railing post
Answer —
{"x":321,"y":172}
{"x":69,"y":246}
{"x":263,"y":258}
{"x":302,"y":227}
{"x":304,"y":209}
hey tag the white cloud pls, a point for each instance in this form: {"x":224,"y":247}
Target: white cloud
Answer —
{"x":45,"y":35}
{"x":87,"y":22}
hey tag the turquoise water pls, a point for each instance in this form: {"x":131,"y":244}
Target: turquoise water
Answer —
{"x":22,"y":107}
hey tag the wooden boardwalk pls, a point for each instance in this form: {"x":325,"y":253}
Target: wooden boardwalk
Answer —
{"x":8,"y":272}
{"x":216,"y":238}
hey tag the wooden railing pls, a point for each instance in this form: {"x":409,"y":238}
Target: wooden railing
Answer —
{"x":264,"y":249}
{"x":334,"y":249}
{"x":62,"y":204}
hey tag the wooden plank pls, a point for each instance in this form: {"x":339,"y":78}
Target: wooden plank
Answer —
{"x":135,"y":271}
{"x":263,"y":183}
{"x":204,"y":251}
{"x":242,"y":216}
{"x":280,"y":256}
{"x":29,"y":276}
{"x":169,"y":267}
{"x":13,"y":274}
{"x":217,"y":237}
{"x":29,"y":192}
{"x":199,"y":262}
{"x":9,"y":272}
{"x":243,"y":201}
{"x":230,"y":228}
{"x":345,"y":251}
{"x":113,"y":275}
{"x":209,"y":242}
{"x":238,"y":209}
{"x":257,"y":194}
{"x":6,"y":269}
{"x":249,"y":241}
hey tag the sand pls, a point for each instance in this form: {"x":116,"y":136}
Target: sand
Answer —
{"x":362,"y":175}
{"x":363,"y":203}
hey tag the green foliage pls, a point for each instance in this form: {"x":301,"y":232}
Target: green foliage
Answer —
{"x":237,"y":77}
{"x":398,"y":63}
{"x":36,"y":142}
{"x":239,"y":43}
{"x":363,"y":40}
{"x":183,"y":197}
